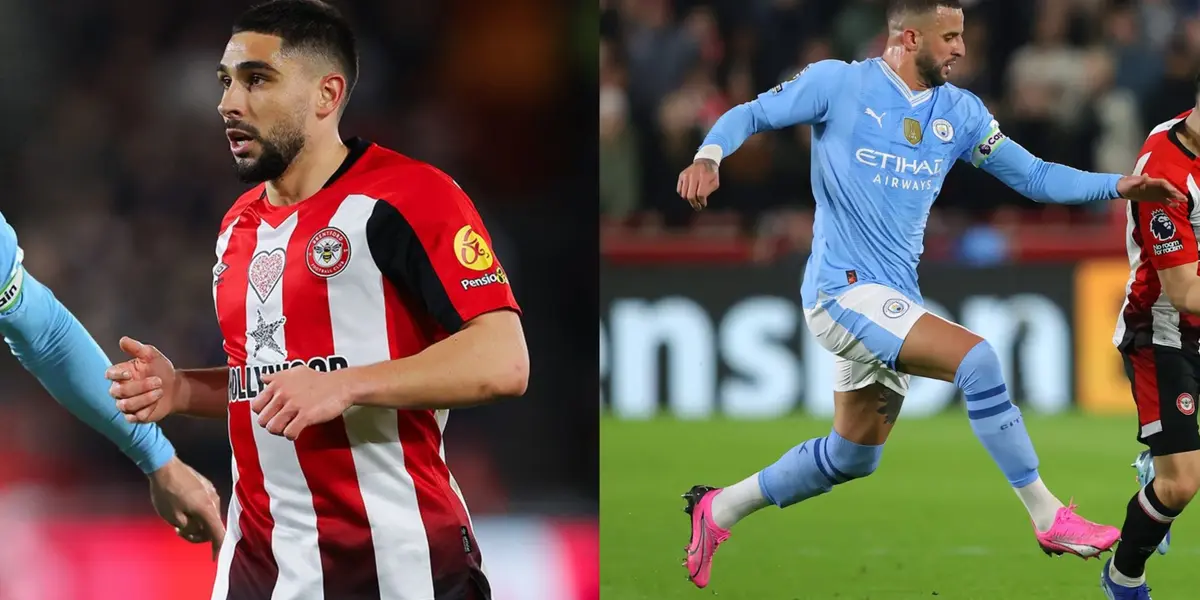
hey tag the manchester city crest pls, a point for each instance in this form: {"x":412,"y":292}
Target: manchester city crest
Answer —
{"x":943,"y":130}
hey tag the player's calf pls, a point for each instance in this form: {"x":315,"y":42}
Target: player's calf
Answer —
{"x":1150,"y":513}
{"x":809,"y":469}
{"x":864,"y":418}
{"x":815,"y":466}
{"x":1144,"y":465}
{"x":1176,"y":478}
{"x":937,"y":348}
{"x":942,"y":350}
{"x":996,"y":421}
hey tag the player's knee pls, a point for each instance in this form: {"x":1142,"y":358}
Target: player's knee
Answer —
{"x":1176,"y":486}
{"x":850,"y":460}
{"x":1176,"y":491}
{"x":981,"y":364}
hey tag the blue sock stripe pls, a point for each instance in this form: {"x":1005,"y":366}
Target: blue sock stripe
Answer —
{"x":817,"y":451}
{"x":842,"y":477}
{"x":992,"y":411}
{"x":807,"y":470}
{"x":987,"y":404}
{"x":984,"y":395}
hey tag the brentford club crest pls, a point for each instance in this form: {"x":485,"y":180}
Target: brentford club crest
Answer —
{"x":328,"y":252}
{"x":1186,"y":404}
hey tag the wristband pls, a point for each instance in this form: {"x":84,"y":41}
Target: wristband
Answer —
{"x":712,"y":152}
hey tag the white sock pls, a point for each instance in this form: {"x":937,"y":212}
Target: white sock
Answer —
{"x":1040,"y":503}
{"x":1122,"y":580}
{"x":737,"y":501}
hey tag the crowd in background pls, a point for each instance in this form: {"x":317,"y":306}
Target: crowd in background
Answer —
{"x":118,"y":174}
{"x":1080,"y":82}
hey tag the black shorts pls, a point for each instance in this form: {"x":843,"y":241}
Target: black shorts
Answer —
{"x":1165,"y":383}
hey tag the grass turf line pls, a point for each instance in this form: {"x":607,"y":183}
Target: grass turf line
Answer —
{"x":936,"y":520}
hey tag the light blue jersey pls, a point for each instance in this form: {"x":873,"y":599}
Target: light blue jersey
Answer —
{"x":53,"y":346}
{"x":879,"y":155}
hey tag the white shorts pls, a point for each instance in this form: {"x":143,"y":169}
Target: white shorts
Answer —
{"x":864,"y":328}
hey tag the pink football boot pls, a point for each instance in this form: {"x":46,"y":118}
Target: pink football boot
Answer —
{"x":706,"y":535}
{"x":1073,"y":534}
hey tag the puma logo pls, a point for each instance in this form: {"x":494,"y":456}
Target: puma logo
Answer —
{"x":878,"y":118}
{"x":701,"y":547}
{"x":703,"y":538}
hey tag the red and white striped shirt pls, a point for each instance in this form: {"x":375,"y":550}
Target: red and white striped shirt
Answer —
{"x":1156,"y":238}
{"x":387,"y":259}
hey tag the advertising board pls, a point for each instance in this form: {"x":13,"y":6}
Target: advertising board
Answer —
{"x":701,"y":340}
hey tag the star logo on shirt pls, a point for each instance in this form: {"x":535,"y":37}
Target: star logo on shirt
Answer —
{"x":264,"y":335}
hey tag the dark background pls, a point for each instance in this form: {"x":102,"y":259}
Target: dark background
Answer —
{"x":118,"y":174}
{"x":1079,"y":82}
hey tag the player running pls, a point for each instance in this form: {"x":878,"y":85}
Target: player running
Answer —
{"x":885,"y":133}
{"x":360,"y":300}
{"x":52,"y":345}
{"x":1158,"y":336}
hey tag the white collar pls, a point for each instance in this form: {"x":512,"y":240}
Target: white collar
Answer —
{"x":914,"y":99}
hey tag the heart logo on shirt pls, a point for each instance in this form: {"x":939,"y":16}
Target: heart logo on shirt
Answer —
{"x":266,"y":269}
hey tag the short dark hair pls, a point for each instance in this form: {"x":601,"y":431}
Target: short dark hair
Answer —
{"x":897,"y":9}
{"x":308,"y":25}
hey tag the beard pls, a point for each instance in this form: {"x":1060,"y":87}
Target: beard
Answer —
{"x":929,"y":70}
{"x":277,"y":151}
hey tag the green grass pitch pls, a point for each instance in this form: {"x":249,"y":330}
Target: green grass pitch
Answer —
{"x":936,"y":520}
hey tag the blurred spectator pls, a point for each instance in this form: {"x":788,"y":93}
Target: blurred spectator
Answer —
{"x":1079,"y":82}
{"x":1176,"y":91}
{"x":1138,"y":62}
{"x":1116,"y":121}
{"x":619,"y":182}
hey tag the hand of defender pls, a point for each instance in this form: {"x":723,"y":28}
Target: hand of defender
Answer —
{"x":1150,"y":190}
{"x":299,"y":397}
{"x":189,"y":502}
{"x":698,"y":182}
{"x":145,"y":386}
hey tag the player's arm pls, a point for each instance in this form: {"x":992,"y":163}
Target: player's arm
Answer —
{"x":805,"y":99}
{"x":426,"y":250}
{"x":1170,"y":243}
{"x":147,"y":388}
{"x":1034,"y":178}
{"x":52,"y":345}
{"x":483,"y":360}
{"x":1182,"y":286}
{"x":203,"y":393}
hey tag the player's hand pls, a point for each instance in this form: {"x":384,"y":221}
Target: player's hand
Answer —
{"x":698,"y":182}
{"x":145,"y":387}
{"x":1140,"y":188}
{"x":298,"y":397}
{"x":189,"y":502}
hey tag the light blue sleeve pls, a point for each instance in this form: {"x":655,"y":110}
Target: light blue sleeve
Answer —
{"x":1049,"y":182}
{"x":52,"y":345}
{"x":803,"y":99}
{"x":1029,"y":175}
